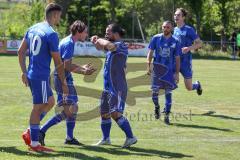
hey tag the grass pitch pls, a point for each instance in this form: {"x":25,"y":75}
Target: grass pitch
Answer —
{"x":203,"y":127}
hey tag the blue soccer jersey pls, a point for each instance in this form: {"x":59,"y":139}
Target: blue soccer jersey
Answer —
{"x":66,"y":49}
{"x":186,"y":36}
{"x":115,"y":85}
{"x":41,"y":40}
{"x":114,"y":68}
{"x":165,"y":52}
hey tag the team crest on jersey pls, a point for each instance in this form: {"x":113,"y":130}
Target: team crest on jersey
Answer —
{"x":164,"y":52}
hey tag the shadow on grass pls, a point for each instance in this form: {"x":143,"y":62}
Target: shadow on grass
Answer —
{"x":201,"y":127}
{"x":8,"y":55}
{"x":117,"y":150}
{"x":212,"y":114}
{"x":63,"y":154}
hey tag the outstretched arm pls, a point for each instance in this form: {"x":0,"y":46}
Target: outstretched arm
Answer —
{"x":87,"y":69}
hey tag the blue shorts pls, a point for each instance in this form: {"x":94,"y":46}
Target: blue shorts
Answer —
{"x":186,"y":66}
{"x":71,"y":99}
{"x":162,"y":78}
{"x":41,"y":90}
{"x":112,"y":102}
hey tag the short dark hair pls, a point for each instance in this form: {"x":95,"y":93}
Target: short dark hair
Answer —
{"x":115,"y":28}
{"x":168,"y":22}
{"x":77,"y":26}
{"x":184,"y":11}
{"x":52,"y":7}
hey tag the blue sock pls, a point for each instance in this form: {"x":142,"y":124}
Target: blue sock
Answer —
{"x":106,"y":127}
{"x":155,"y":99}
{"x":168,"y":102}
{"x":42,"y":115}
{"x":34,"y":132}
{"x":195,"y":86}
{"x":70,"y":122}
{"x":53,"y":121}
{"x":125,"y":126}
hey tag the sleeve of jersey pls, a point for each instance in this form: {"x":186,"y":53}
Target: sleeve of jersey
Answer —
{"x":193,"y":35}
{"x":121,"y":47}
{"x":68,"y":51}
{"x":152,"y":45}
{"x":53,"y":42}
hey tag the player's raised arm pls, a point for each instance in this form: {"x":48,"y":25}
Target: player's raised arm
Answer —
{"x":103,"y":44}
{"x":22,"y":60}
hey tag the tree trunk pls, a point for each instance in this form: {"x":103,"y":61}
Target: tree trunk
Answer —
{"x":112,"y":10}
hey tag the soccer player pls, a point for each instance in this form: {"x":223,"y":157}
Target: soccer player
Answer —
{"x":66,"y":47}
{"x":166,"y":66}
{"x":42,"y":42}
{"x":189,"y":40}
{"x":115,"y":85}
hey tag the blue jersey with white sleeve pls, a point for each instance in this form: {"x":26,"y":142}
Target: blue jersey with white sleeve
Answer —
{"x":41,"y":40}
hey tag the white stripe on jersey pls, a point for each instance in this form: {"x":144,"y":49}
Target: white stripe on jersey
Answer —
{"x":44,"y":92}
{"x":119,"y":101}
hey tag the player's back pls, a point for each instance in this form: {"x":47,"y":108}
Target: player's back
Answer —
{"x":41,"y":40}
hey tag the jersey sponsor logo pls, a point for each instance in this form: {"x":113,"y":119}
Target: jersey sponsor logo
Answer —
{"x":164,"y":52}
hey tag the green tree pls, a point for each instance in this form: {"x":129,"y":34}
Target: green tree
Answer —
{"x":19,"y":17}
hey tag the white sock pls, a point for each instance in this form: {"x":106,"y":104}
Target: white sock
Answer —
{"x":34,"y":143}
{"x":68,"y":138}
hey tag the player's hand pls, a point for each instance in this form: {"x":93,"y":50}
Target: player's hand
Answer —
{"x":24,"y":79}
{"x":88,"y":69}
{"x":65,"y":91}
{"x":94,"y":38}
{"x":149,"y":70}
{"x":99,"y":44}
{"x":185,"y":50}
{"x":176,"y":77}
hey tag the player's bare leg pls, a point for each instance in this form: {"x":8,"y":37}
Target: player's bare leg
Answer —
{"x":196,"y":86}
